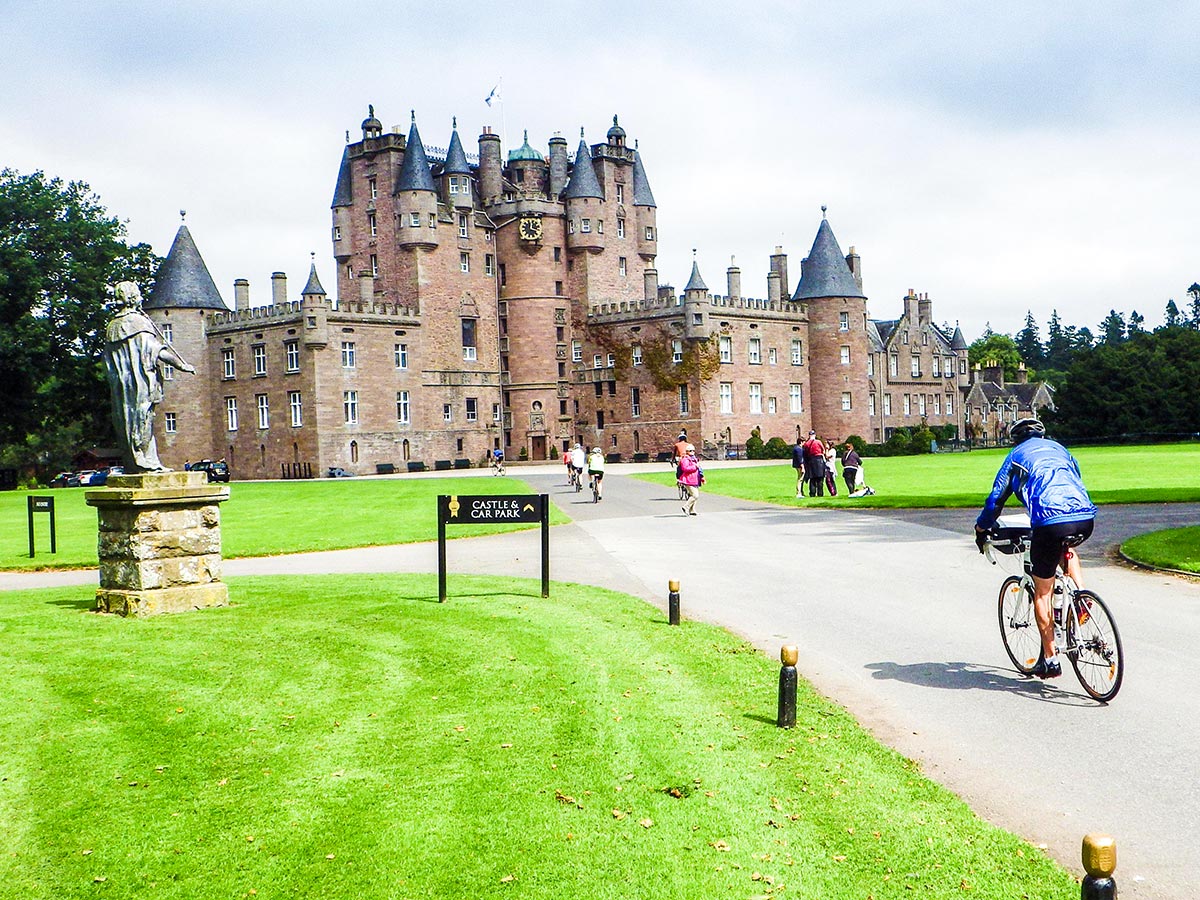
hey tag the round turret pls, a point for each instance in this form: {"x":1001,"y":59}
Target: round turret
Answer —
{"x":616,"y":134}
{"x":371,"y":126}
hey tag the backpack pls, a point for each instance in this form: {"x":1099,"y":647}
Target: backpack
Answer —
{"x":700,"y":477}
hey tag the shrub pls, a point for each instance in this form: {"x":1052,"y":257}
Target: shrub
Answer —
{"x":921,"y":440}
{"x":860,"y":445}
{"x":754,"y":445}
{"x":777,"y":448}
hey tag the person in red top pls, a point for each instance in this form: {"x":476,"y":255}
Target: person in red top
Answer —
{"x":814,"y":465}
{"x":690,"y":477}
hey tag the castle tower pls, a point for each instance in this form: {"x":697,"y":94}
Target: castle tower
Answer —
{"x":558,"y":165}
{"x":584,"y":202}
{"x":456,"y":174}
{"x":695,"y":306}
{"x":415,"y":196}
{"x":315,"y":304}
{"x":491,"y":174}
{"x":959,"y":345}
{"x":342,"y":206}
{"x":646,"y":213}
{"x":837,"y":339}
{"x":528,"y":171}
{"x":371,"y":126}
{"x":183,"y":298}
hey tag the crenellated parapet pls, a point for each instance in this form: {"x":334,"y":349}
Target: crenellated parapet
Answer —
{"x":609,"y":312}
{"x":374,"y":312}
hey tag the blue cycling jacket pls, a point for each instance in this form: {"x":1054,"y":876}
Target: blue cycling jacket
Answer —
{"x":1045,"y":477}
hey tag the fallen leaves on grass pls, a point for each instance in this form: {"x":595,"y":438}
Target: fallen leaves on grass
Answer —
{"x":647,"y":823}
{"x":719,"y":845}
{"x":507,"y":878}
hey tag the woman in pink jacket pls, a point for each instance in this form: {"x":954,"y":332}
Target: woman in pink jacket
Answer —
{"x":690,"y":477}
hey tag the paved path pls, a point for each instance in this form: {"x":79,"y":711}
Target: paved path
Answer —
{"x":917,"y":660}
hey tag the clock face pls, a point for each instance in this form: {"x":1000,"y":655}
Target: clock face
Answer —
{"x":531,"y":229}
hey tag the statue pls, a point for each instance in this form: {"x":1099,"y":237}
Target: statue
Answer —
{"x":135,"y":352}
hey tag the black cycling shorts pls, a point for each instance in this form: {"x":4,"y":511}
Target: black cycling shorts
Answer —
{"x":1048,"y":542}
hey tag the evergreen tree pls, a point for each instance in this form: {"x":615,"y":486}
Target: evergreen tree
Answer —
{"x":1058,"y":343}
{"x":1172,"y":317}
{"x":1084,"y":340}
{"x":1112,"y":329}
{"x":1029,"y":343}
{"x":1194,"y":306}
{"x":1137,"y":323}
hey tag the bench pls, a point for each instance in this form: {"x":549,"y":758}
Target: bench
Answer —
{"x":417,"y":466}
{"x":641,"y":457}
{"x":665,"y":456}
{"x":612,"y":458}
{"x":385,"y":469}
{"x":442,"y":465}
{"x":462,"y":464}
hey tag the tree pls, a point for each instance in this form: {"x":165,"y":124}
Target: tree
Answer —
{"x":1194,"y":306}
{"x":1029,"y":343}
{"x":1083,"y":340}
{"x":999,"y":348}
{"x":59,"y":252}
{"x":1137,"y":324}
{"x":1058,"y":343}
{"x":1112,"y":329}
{"x":1172,"y":317}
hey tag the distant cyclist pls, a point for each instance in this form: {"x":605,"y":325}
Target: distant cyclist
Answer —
{"x":497,"y":461}
{"x":595,"y":466}
{"x":1046,"y":479}
{"x":578,"y":464}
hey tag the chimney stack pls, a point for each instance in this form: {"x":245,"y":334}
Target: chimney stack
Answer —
{"x":278,"y":288}
{"x":733,"y":280}
{"x":241,"y":294}
{"x":779,"y":267}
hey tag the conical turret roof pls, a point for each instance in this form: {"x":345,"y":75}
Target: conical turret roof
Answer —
{"x":414,"y":171}
{"x":343,"y":191}
{"x":314,"y":283}
{"x":183,"y":280}
{"x":696,"y":283}
{"x":958,"y":342}
{"x":583,"y":181}
{"x":642,"y":195}
{"x":456,"y":158}
{"x":825,"y":272}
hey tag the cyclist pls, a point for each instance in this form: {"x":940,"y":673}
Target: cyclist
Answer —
{"x":497,"y":461}
{"x":567,"y":462}
{"x":595,"y":466}
{"x":578,"y":463}
{"x":1045,"y":478}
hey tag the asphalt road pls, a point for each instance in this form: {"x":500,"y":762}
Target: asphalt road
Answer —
{"x":895,"y":616}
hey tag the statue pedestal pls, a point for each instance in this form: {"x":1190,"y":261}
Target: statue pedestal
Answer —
{"x":159,"y":543}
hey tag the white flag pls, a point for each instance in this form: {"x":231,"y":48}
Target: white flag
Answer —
{"x":495,"y":94}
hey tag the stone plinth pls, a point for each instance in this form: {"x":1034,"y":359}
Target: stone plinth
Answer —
{"x":159,"y":543}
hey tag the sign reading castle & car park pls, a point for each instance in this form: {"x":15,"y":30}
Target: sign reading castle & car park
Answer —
{"x":492,"y":509}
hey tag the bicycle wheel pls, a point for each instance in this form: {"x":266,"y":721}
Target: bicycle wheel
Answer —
{"x":1018,"y":625}
{"x":1094,"y":647}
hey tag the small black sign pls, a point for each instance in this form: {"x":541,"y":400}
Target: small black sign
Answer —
{"x":490,"y":508}
{"x":41,"y":505}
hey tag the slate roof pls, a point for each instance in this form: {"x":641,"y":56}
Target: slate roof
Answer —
{"x":314,"y":283}
{"x":825,"y":272}
{"x":183,"y":280}
{"x":583,"y":181}
{"x":343,"y":191}
{"x":642,"y":195}
{"x":414,"y":171}
{"x":958,"y":342}
{"x":456,"y":159}
{"x":884,"y":328}
{"x":696,"y":283}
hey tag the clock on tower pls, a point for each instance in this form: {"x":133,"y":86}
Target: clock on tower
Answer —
{"x":530,"y":228}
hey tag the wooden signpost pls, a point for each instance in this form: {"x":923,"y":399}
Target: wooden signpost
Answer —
{"x":492,"y":509}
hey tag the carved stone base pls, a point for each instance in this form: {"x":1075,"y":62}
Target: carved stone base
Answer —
{"x":159,"y":543}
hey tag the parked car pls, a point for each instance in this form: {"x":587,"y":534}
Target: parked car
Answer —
{"x":85,"y":477}
{"x":339,"y":472}
{"x":217,"y":471}
{"x":101,"y":477}
{"x":63,"y":479}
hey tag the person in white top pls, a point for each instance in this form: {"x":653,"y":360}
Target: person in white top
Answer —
{"x":578,"y":460}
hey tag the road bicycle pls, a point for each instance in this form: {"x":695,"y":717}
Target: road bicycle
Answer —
{"x":1084,"y":629}
{"x":497,"y":466}
{"x":576,"y":478}
{"x":594,"y":484}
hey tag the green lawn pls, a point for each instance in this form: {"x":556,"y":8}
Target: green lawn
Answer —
{"x":1159,"y":473}
{"x":348,"y":737}
{"x":1174,"y":548}
{"x":268,"y":517}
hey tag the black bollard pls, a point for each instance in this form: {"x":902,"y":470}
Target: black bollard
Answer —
{"x":1099,"y":861}
{"x":673,"y":602}
{"x":787,"y":687}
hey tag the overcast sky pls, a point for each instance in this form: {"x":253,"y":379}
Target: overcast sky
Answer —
{"x":1026,"y":156}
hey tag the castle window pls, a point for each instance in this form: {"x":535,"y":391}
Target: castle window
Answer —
{"x":372,"y":189}
{"x":354,"y":451}
{"x":937,"y":404}
{"x":509,"y":196}
{"x":291,"y":351}
{"x":649,"y":233}
{"x":962,"y":367}
{"x":557,"y":254}
{"x":468,"y":339}
{"x":771,"y":358}
{"x":350,"y":407}
{"x":843,"y":321}
{"x":231,"y":416}
{"x":726,"y":395}
{"x":621,"y":266}
{"x":496,"y":412}
{"x":260,"y":359}
{"x":348,"y":354}
{"x":337,"y":232}
{"x":264,"y":410}
{"x":635,"y":402}
{"x":576,"y":351}
{"x":489,"y":264}
{"x":620,"y":196}
{"x":597,"y":361}
{"x":770,"y":406}
{"x":400,"y":355}
{"x":472,"y":409}
{"x":433,"y":220}
{"x":870,"y":365}
{"x":560,"y":334}
{"x":795,"y":398}
{"x":464,"y":262}
{"x":371,"y":225}
{"x":168,"y":373}
{"x":904,"y":337}
{"x":870,"y":404}
{"x":756,"y":399}
{"x":374,"y":266}
{"x":620,"y":225}
{"x":845,"y":356}
{"x":585,"y":226}
{"x":519,"y":176}
{"x":612,"y":360}
{"x":600,"y":419}
{"x":676,"y":351}
{"x":887,"y":404}
{"x":403,"y":411}
{"x":916,"y":367}
{"x":558,"y":288}
{"x":228,"y":369}
{"x":755,"y":351}
{"x":296,"y":407}
{"x":599,"y":226}
{"x":921,"y":404}
{"x":169,"y":422}
{"x":168,"y":333}
{"x":683,"y":399}
{"x":907,"y":405}
{"x":797,"y":352}
{"x":503,"y":275}
{"x":725,"y":349}
{"x":924,"y":339}
{"x":414,"y":219}
{"x":453,"y":184}
{"x":893,"y":365}
{"x":845,"y":401}
{"x":949,"y":405}
{"x":462,"y":225}
{"x":937,"y":367}
{"x":570,"y":226}
{"x":637,"y":354}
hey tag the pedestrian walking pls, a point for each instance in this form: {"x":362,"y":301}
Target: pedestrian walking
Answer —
{"x":691,"y":476}
{"x":831,"y":469}
{"x":798,"y":465}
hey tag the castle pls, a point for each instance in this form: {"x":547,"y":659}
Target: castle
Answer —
{"x":514,"y":302}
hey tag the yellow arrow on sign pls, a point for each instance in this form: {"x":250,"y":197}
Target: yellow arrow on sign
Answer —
{"x":528,"y":507}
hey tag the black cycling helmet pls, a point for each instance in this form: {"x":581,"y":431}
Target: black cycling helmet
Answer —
{"x":1026,"y":428}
